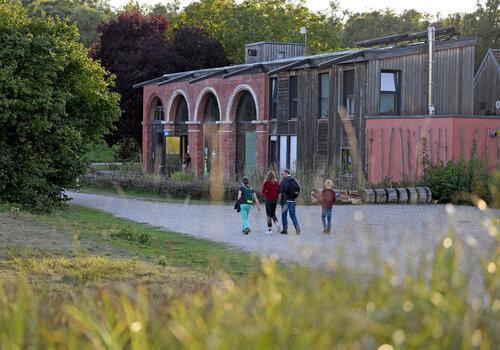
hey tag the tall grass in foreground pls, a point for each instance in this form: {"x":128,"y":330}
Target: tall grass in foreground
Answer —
{"x":426,"y":308}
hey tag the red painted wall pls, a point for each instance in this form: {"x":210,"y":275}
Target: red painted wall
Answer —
{"x":442,"y":137}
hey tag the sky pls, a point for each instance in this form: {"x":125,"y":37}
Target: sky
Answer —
{"x":444,"y":7}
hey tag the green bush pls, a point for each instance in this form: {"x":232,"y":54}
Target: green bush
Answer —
{"x":132,"y":235}
{"x":183,"y":176}
{"x":54,"y":105}
{"x":102,"y":153}
{"x":128,"y":151}
{"x":458,"y":181}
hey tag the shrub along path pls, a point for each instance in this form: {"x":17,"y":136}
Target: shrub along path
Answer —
{"x":399,"y":233}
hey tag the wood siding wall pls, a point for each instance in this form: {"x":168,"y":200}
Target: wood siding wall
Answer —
{"x":453,"y":82}
{"x":487,"y":87}
{"x":271,"y":51}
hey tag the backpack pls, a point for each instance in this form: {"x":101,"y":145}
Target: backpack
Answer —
{"x":247,"y":197}
{"x":293,"y":189}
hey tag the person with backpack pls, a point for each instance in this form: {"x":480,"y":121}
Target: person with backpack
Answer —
{"x":271,"y":194}
{"x":289,"y":190}
{"x":327,"y":198}
{"x":246,"y":199}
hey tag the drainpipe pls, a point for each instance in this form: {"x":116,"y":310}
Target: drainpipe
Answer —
{"x":431,"y":37}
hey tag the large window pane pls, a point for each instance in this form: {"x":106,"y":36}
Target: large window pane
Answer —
{"x":349,"y":92}
{"x":293,"y":152}
{"x":387,"y":103}
{"x":388,"y":81}
{"x":283,"y":152}
{"x":324,"y":94}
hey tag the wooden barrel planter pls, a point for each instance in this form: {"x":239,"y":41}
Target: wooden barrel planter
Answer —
{"x":402,"y":195}
{"x":380,"y":195}
{"x":421,"y":194}
{"x":392,"y":195}
{"x":412,"y":195}
{"x":429,"y":194}
{"x":367,"y":195}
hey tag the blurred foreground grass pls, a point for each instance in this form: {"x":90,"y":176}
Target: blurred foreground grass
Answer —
{"x":109,"y":303}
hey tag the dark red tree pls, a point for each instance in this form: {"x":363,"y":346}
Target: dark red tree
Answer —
{"x":134,"y":48}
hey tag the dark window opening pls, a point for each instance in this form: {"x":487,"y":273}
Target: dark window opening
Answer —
{"x":349,"y":92}
{"x":246,"y":108}
{"x":293,"y":98}
{"x":181,"y":113}
{"x":324,"y":94}
{"x":389,"y":92}
{"x":273,"y":151}
{"x":273,"y":98}
{"x":159,"y":114}
{"x":347,"y":162}
{"x":211,"y":113}
{"x":251,"y":52}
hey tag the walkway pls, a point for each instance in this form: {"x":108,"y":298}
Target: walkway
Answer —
{"x":392,"y":232}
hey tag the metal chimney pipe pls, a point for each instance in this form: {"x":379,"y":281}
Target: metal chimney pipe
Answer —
{"x":431,"y":37}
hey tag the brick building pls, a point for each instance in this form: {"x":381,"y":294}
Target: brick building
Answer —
{"x":362,"y":114}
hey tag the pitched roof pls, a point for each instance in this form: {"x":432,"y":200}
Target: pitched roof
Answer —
{"x":320,"y":60}
{"x":495,"y":55}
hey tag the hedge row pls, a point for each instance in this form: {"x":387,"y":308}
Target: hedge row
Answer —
{"x":195,"y":189}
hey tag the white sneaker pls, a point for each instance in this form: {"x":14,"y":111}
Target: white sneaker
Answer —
{"x":269,"y":232}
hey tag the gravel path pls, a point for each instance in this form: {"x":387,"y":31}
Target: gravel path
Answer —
{"x":398,"y":233}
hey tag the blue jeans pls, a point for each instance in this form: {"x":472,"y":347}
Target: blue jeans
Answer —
{"x":244,"y":212}
{"x":326,"y":217}
{"x":289,"y":206}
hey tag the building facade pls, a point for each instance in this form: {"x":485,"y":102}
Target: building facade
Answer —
{"x":364,"y":114}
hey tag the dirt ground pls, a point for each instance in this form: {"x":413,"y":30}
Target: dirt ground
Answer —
{"x":17,"y":231}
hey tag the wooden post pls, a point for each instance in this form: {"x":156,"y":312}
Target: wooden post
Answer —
{"x":487,"y":148}
{"x":445,"y":148}
{"x":438,"y":146}
{"x":462,"y":146}
{"x":429,"y":142}
{"x":417,"y":150}
{"x":408,"y":159}
{"x":401,"y":144}
{"x":476,"y":143}
{"x":381,"y":156}
{"x":390,"y":153}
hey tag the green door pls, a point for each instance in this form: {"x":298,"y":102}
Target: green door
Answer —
{"x":250,"y":152}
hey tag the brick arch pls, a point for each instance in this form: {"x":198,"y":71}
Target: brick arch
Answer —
{"x":172,"y":104}
{"x":152,"y":98}
{"x":200,"y":103}
{"x":235,"y":97}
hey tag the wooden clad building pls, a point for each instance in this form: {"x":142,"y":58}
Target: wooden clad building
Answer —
{"x":487,"y":85}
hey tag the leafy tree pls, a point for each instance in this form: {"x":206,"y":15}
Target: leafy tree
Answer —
{"x":54,"y":104}
{"x":134,"y":48}
{"x":369,"y":25}
{"x":252,"y":20}
{"x":86,"y":14}
{"x":484,"y":23}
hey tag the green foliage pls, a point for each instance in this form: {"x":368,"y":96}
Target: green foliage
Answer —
{"x":426,"y":307}
{"x":237,"y":24}
{"x":183,"y":176}
{"x":128,"y":150}
{"x":458,"y":181}
{"x":102,"y":153}
{"x":55,"y":104}
{"x":131,"y":234}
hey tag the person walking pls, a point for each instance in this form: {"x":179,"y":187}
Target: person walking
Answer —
{"x":327,"y":198}
{"x":271,"y":195}
{"x":246,"y":199}
{"x":289,"y":190}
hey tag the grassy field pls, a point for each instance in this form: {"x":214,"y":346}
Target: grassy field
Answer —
{"x":79,"y":278}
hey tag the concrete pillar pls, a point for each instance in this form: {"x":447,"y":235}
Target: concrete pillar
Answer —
{"x":227,"y":149}
{"x":195,"y":144}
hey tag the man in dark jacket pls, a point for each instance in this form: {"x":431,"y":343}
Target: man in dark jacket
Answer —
{"x":289,"y":191}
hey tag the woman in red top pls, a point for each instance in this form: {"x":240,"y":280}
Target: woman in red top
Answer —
{"x":270,"y":193}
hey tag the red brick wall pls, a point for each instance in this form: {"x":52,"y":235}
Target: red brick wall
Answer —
{"x":195,"y":144}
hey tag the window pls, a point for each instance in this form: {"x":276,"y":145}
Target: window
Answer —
{"x":349,"y":92}
{"x":158,"y":111}
{"x":347,"y":164}
{"x":281,"y":55}
{"x":324,"y":94}
{"x":252,"y":52}
{"x":181,"y":114}
{"x":273,"y":149}
{"x":273,"y":98}
{"x":389,"y":92}
{"x":246,"y":108}
{"x":293,"y":101}
{"x":288,"y":152}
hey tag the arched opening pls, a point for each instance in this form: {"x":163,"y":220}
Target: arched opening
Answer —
{"x":246,"y":144}
{"x":158,"y":155}
{"x":211,"y":115}
{"x":177,"y":141}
